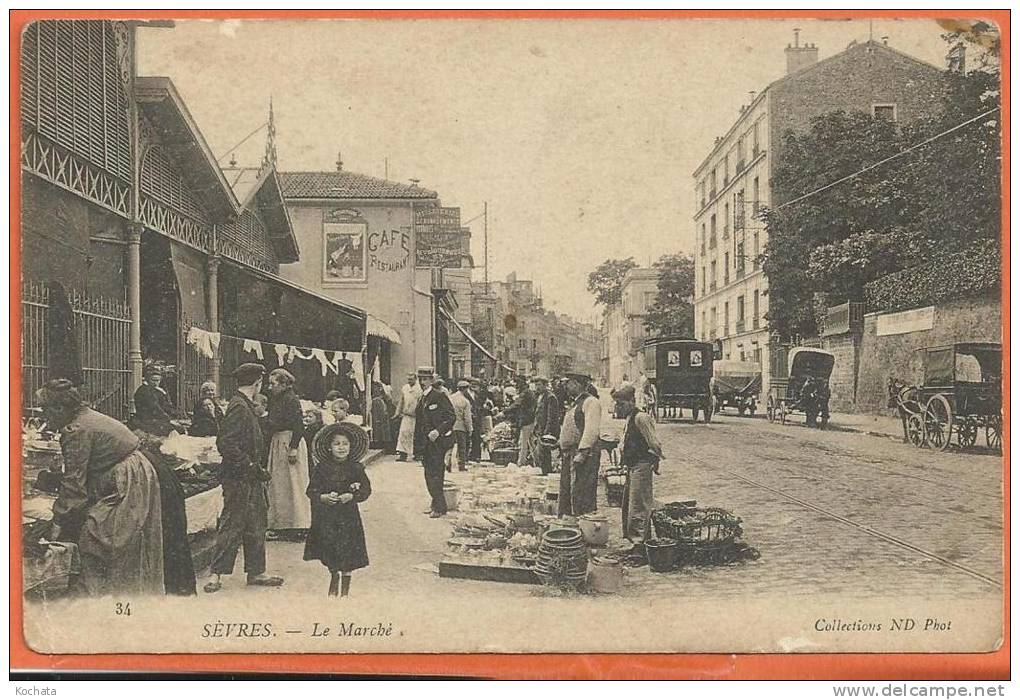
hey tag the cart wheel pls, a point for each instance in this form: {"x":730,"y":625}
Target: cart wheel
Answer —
{"x":915,"y":430}
{"x":993,"y":433}
{"x":938,"y":422}
{"x":966,"y":433}
{"x":770,"y":410}
{"x":782,"y":412}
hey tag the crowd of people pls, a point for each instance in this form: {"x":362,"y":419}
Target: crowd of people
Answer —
{"x":293,"y":469}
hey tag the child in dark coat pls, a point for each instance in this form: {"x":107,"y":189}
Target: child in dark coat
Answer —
{"x":338,"y":483}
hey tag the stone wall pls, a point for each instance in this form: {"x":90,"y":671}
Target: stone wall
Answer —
{"x":881,"y":357}
{"x":843,"y":382}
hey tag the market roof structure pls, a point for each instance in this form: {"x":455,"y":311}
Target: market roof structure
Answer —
{"x":342,"y":184}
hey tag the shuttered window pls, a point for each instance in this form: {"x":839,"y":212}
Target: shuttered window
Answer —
{"x":73,"y":92}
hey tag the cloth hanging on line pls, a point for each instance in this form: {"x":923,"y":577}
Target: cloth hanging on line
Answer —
{"x":281,"y":353}
{"x":255,"y":347}
{"x":205,"y":342}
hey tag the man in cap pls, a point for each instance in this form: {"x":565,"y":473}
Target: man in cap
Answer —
{"x":641,"y":454}
{"x":434,"y":426}
{"x":523,"y":408}
{"x":579,"y":449}
{"x":405,"y":411}
{"x":547,"y":422}
{"x":244,"y":477}
{"x":464,"y":422}
{"x":476,"y":394}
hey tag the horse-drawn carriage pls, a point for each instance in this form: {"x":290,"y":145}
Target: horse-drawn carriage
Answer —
{"x":681,"y":369}
{"x":804,"y":389}
{"x":960,"y":391}
{"x":736,"y":384}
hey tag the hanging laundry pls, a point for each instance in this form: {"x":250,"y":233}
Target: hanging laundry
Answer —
{"x":324,"y":362}
{"x":295,"y":351}
{"x":281,"y":353}
{"x":255,"y":347}
{"x":202,"y":341}
{"x":214,"y":340}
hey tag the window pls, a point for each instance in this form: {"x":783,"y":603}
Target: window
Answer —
{"x":713,"y":319}
{"x":754,"y":141}
{"x":726,"y":268}
{"x":712,"y":178}
{"x":739,"y":262}
{"x":887,"y":112}
{"x":740,"y":308}
{"x":757,"y":356}
{"x":704,"y":281}
{"x":740,"y":154}
{"x":754,"y":262}
{"x":726,"y":220}
{"x":712,"y":286}
{"x":726,"y":169}
{"x":703,"y":237}
{"x":757,"y":204}
{"x":534,"y":343}
{"x":711,"y":229}
{"x":701,"y":192}
{"x":738,"y":210}
{"x":522,"y":344}
{"x":726,"y":319}
{"x":754,"y":318}
{"x":649,"y":300}
{"x":704,"y":330}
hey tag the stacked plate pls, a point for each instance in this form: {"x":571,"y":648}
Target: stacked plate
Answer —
{"x":562,"y":558}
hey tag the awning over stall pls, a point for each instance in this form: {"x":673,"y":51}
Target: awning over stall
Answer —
{"x":378,"y":328}
{"x":447,"y":315}
{"x":268,"y":308}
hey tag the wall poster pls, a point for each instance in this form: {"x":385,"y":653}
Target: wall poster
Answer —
{"x":343,"y":247}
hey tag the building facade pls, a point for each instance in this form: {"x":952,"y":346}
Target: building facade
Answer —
{"x":732,"y":184}
{"x":623,"y":325}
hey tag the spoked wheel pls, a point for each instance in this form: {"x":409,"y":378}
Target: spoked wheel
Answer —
{"x":915,"y":430}
{"x":966,"y":433}
{"x":993,"y":433}
{"x":938,"y":422}
{"x":770,"y":410}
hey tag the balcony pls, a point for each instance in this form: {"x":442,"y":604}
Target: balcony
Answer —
{"x":740,"y":325}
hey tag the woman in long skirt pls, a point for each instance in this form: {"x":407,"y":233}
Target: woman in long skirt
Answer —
{"x":288,"y":456}
{"x":109,"y":498}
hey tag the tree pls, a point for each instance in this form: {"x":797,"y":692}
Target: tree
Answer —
{"x":606,"y":280}
{"x":940,"y":198}
{"x":673,"y":310}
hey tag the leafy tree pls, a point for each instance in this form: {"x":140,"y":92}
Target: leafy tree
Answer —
{"x":940,"y":198}
{"x":673,"y":310}
{"x":606,"y":280}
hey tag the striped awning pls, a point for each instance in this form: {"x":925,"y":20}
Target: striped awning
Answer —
{"x":380,"y":329}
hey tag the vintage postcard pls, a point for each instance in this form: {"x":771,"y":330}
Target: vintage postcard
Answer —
{"x":605,"y":333}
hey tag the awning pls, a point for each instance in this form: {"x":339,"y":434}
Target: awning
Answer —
{"x":380,"y":329}
{"x":467,"y":335}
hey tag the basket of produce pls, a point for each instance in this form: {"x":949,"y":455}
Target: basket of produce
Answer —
{"x":503,"y":455}
{"x":703,"y":536}
{"x":615,"y":479}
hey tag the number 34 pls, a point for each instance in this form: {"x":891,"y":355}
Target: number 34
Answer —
{"x":122,"y":609}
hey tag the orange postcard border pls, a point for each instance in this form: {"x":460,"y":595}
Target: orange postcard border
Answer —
{"x":990,"y":666}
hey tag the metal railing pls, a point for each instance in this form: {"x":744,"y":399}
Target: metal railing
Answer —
{"x":103,"y":329}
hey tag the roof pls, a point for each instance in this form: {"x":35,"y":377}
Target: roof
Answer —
{"x":342,"y":184}
{"x":179,"y":135}
{"x":260,"y":188}
{"x":803,"y":71}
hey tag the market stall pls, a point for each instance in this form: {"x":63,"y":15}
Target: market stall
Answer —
{"x":48,"y":566}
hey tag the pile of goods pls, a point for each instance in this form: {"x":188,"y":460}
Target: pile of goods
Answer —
{"x":681,"y":534}
{"x":199,"y":450}
{"x":502,"y":443}
{"x":563,"y":558}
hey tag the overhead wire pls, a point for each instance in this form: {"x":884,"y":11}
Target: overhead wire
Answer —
{"x":886,"y":160}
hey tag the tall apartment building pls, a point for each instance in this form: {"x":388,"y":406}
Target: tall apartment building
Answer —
{"x":733,"y":182}
{"x":623,"y":325}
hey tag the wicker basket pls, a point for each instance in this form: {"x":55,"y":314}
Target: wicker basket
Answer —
{"x":704,"y":536}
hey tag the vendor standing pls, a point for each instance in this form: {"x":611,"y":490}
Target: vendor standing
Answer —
{"x":641,"y":455}
{"x":579,"y":451}
{"x":288,"y":456}
{"x":153,"y":407}
{"x":547,"y":422}
{"x":245,"y":494}
{"x":109,"y":498}
{"x":407,"y":406}
{"x":207,"y":415}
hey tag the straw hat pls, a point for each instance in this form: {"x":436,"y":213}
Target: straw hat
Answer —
{"x":355,"y":433}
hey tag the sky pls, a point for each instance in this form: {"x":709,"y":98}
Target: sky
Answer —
{"x":581,"y":135}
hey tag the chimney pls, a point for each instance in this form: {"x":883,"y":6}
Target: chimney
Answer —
{"x":797,"y":56}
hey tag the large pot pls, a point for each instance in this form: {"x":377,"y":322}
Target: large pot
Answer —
{"x":452,"y":495}
{"x":595,"y":529}
{"x":605,"y":575}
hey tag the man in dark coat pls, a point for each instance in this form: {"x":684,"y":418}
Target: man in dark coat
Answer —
{"x":476,"y":395}
{"x":244,"y":478}
{"x":548,"y":415}
{"x":434,"y":433}
{"x":153,"y":408}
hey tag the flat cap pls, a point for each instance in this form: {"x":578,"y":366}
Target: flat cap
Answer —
{"x":626,"y":393}
{"x":579,"y":376}
{"x":249,"y":373}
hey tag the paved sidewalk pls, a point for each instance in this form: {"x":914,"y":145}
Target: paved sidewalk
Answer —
{"x":878,"y":426}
